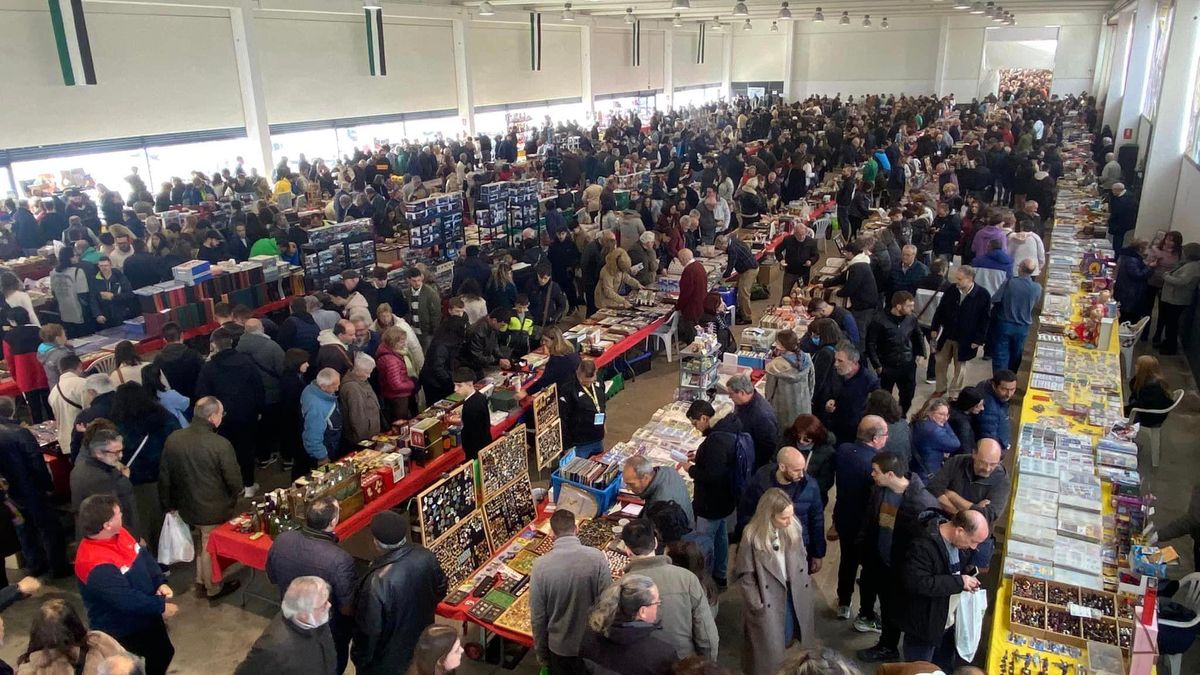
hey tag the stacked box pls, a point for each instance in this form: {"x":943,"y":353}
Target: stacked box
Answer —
{"x":192,"y":271}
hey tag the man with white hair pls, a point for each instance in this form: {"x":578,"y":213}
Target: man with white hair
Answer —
{"x":1111,"y":173}
{"x":359,"y":403}
{"x":322,"y":432}
{"x":1014,"y":302}
{"x":298,"y":639}
{"x":98,"y":394}
{"x":1122,"y":214}
{"x":644,"y":259}
{"x":693,"y":289}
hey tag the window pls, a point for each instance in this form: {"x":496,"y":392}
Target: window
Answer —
{"x":369,"y":136}
{"x":6,"y":185}
{"x":167,"y":161}
{"x":1193,"y":131}
{"x":1158,"y":58}
{"x":317,"y":143}
{"x":429,"y":128}
{"x":87,"y":171}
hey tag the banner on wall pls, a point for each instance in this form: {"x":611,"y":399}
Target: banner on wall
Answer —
{"x":700,"y":45}
{"x":71,"y":40}
{"x":535,"y":41}
{"x":637,"y":43}
{"x":376,"y":57}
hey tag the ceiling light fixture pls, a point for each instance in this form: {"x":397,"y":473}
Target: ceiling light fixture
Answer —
{"x":1000,"y":15}
{"x":747,"y":26}
{"x":629,"y":17}
{"x":774,"y":26}
{"x":818,"y":16}
{"x":681,"y":4}
{"x":884,"y":24}
{"x":990,"y":11}
{"x":676,"y":23}
{"x":785,"y":13}
{"x":485,"y":8}
{"x":867,"y":21}
{"x":845,"y":20}
{"x":977,"y":8}
{"x":740,"y":9}
{"x":567,"y":14}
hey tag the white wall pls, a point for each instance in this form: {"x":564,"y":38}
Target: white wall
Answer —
{"x":758,"y":54}
{"x":1186,"y":217}
{"x":1075,"y":60}
{"x":305,"y":77}
{"x":687,"y":71}
{"x":499,"y":63}
{"x":854,"y":60}
{"x":964,"y":56}
{"x":157,"y":71}
{"x":612,"y":59}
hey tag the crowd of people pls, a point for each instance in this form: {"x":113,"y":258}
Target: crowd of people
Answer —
{"x":916,"y":497}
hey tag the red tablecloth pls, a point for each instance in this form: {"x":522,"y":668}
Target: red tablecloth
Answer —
{"x":227,"y":546}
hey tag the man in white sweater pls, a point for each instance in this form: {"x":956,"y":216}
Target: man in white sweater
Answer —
{"x":1026,"y":245}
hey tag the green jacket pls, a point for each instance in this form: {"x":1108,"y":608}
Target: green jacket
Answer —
{"x":264,"y":246}
{"x":870,"y":171}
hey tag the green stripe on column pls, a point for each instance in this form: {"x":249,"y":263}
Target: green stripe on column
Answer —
{"x":370,"y":40}
{"x":60,"y":43}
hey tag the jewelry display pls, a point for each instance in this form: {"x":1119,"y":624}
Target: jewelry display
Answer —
{"x":443,"y":505}
{"x":463,"y":549}
{"x":509,"y":511}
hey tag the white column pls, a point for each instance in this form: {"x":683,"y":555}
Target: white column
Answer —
{"x":668,"y":97}
{"x":254,"y":105}
{"x":727,"y":64}
{"x":462,"y":76}
{"x":939,"y":74}
{"x":585,"y":76}
{"x":1168,"y":143}
{"x":789,"y":55}
{"x":1103,"y":59}
{"x":1140,"y":47}
{"x":1116,"y":75}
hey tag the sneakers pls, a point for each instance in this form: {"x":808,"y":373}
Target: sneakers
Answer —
{"x":266,"y":463}
{"x":867,"y":625}
{"x":930,"y":380}
{"x":225,"y":589}
{"x":843,"y":612}
{"x":249,"y":492}
{"x":878,"y":654}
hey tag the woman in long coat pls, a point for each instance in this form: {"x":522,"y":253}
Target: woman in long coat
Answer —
{"x":771,"y":573}
{"x":791,"y":378}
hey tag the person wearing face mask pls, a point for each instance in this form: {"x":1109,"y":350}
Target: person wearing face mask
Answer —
{"x":298,"y":639}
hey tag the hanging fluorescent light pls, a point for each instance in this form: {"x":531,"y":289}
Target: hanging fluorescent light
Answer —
{"x":567,"y":14}
{"x":845,"y":20}
{"x":884,"y":24}
{"x":740,"y":9}
{"x":676,"y":23}
{"x":681,"y":4}
{"x":629,"y":17}
{"x":1010,"y":20}
{"x":485,"y":8}
{"x":818,"y":16}
{"x":867,"y":21}
{"x":785,"y":14}
{"x":747,"y":26}
{"x":774,"y":26}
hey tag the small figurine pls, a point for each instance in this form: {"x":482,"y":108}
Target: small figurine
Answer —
{"x":1064,"y":666}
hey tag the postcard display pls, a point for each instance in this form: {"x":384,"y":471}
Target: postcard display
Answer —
{"x":1077,"y":512}
{"x":434,"y":231}
{"x":548,"y":445}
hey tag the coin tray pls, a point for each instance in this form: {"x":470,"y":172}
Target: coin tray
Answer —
{"x":446,"y":503}
{"x":509,"y":511}
{"x":463,"y":550}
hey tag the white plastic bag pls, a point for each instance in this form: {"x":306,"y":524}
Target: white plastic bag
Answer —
{"x":968,"y":622}
{"x":175,"y":542}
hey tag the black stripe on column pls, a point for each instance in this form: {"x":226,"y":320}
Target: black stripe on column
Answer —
{"x":85,"y":47}
{"x":379,"y":42}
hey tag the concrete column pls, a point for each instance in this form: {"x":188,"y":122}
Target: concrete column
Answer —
{"x":462,"y":76}
{"x":254,"y":105}
{"x":1141,"y":47}
{"x":668,"y":95}
{"x":1103,"y":59}
{"x":727,"y":63}
{"x":585,"y":76}
{"x":1168,"y":143}
{"x":939,"y":73}
{"x":789,"y":55}
{"x":1116,"y":75}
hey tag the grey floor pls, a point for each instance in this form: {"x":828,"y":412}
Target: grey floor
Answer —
{"x":213,"y":639}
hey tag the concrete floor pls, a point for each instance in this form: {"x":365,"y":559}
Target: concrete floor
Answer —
{"x":214,"y":639}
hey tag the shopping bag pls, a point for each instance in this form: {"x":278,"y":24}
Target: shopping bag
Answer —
{"x":968,"y":622}
{"x":175,"y":541}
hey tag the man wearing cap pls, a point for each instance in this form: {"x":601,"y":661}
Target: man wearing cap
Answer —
{"x":396,"y":599}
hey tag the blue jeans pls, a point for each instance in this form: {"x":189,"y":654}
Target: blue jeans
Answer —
{"x":1010,"y":343}
{"x":789,"y":630}
{"x":716,"y":530}
{"x":588,"y":449}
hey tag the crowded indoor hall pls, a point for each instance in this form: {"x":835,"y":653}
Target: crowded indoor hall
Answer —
{"x":703,"y":337}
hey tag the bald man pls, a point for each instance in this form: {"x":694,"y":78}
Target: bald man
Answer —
{"x":852,"y":468}
{"x":790,"y":474}
{"x":1014,"y":303}
{"x":267,"y":356}
{"x":934,"y":571}
{"x":975,"y":482}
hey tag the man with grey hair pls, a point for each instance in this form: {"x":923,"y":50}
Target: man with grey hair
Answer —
{"x":1111,"y":173}
{"x":99,"y":471}
{"x":657,"y":484}
{"x":359,"y":403}
{"x":757,"y":417}
{"x":845,"y":409}
{"x":122,"y":664}
{"x":199,"y":477}
{"x":644,"y":259}
{"x":298,"y":639}
{"x":322,"y":432}
{"x":852,"y":468}
{"x":98,"y":394}
{"x":267,"y":356}
{"x":1014,"y":303}
{"x":959,"y":328}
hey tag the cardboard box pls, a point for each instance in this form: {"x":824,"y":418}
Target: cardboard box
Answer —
{"x":768,"y":271}
{"x":424,"y":432}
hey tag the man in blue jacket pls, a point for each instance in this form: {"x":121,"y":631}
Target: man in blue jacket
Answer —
{"x":322,"y":419}
{"x":757,"y":416}
{"x":852,"y":473}
{"x":790,"y":474}
{"x":994,"y":421}
{"x":844,"y":411}
{"x":123,"y":589}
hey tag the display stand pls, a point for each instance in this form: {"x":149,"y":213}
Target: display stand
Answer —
{"x":447,"y":503}
{"x":548,"y":445}
{"x":335,"y":248}
{"x":699,"y":364}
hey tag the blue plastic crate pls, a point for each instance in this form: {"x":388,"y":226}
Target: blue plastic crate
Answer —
{"x":604,"y":498}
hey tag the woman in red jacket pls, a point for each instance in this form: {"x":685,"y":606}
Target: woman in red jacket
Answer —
{"x":20,"y":353}
{"x":396,"y":383}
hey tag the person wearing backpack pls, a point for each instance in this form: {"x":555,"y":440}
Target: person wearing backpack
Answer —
{"x":713,"y":469}
{"x":790,"y":473}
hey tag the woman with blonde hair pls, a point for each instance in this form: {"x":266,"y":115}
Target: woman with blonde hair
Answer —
{"x":501,"y":291}
{"x":614,"y":274}
{"x":560,"y":368}
{"x":396,"y":382}
{"x":933,"y":439}
{"x":385,"y":318}
{"x":1149,"y":390}
{"x":623,"y":632}
{"x":771,"y":574}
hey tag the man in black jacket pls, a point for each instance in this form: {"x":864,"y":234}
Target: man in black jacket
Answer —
{"x":893,"y":345}
{"x":933,"y":572}
{"x":29,"y":485}
{"x":111,"y":295}
{"x":471,"y":267}
{"x":313,"y":551}
{"x":481,"y":351}
{"x":581,"y":405}
{"x":858,"y":286}
{"x":233,"y":379}
{"x":476,"y":415}
{"x":547,"y":301}
{"x":711,"y":469}
{"x":897,"y":499}
{"x":1122,"y":214}
{"x":298,"y":639}
{"x":959,"y":327}
{"x":798,"y":254}
{"x":396,"y":599}
{"x":179,"y":363}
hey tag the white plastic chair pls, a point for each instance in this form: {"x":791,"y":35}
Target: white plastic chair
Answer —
{"x":667,"y":335}
{"x":1153,"y":436}
{"x":1128,"y":337}
{"x":1188,"y":595}
{"x":105,"y":364}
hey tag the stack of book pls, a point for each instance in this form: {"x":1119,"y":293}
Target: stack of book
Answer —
{"x":591,"y":473}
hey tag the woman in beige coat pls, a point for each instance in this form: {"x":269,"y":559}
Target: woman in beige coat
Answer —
{"x":771,"y":574}
{"x":60,"y":645}
{"x":614,"y":273}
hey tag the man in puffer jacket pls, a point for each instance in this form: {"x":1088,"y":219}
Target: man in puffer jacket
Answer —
{"x":322,"y":419}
